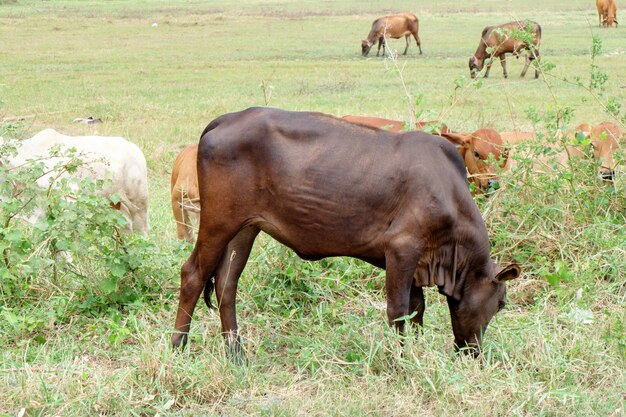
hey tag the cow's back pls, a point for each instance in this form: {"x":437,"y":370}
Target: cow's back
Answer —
{"x":344,"y":186}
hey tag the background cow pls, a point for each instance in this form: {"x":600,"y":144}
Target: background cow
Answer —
{"x":395,"y":26}
{"x":104,"y":158}
{"x":607,"y":13}
{"x":184,"y":191}
{"x":497,"y":41}
{"x":396,"y":125}
{"x":604,"y":140}
{"x":327,"y":187}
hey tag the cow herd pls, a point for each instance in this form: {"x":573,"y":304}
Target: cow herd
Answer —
{"x":356,"y":186}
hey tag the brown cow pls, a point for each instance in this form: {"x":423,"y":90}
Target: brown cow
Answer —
{"x":327,"y":187}
{"x":497,"y":41}
{"x":184,"y":191}
{"x":396,"y":125}
{"x":395,"y":26}
{"x":607,"y":13}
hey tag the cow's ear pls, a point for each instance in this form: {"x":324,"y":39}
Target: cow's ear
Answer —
{"x":508,"y":273}
{"x":458,"y":139}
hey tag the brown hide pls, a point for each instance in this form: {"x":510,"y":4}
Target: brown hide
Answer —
{"x":327,"y":187}
{"x":395,"y":125}
{"x":501,"y":40}
{"x":184,"y":190}
{"x":514,"y":138}
{"x":395,"y":26}
{"x":607,"y":13}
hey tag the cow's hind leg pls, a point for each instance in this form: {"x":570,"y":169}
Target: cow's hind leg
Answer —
{"x":195,"y":273}
{"x":226,"y":278}
{"x":418,"y":42}
{"x":401,"y":260}
{"x":183,"y":228}
{"x":408,"y":41}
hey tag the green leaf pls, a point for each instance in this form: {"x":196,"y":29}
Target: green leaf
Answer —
{"x":109,"y":285}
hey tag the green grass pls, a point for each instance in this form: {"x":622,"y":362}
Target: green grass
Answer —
{"x":317,"y":338}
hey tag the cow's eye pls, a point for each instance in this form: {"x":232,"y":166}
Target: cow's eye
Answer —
{"x":501,"y":305}
{"x":476,"y":154}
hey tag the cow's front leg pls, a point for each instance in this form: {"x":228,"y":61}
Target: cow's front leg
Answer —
{"x":401,"y":260}
{"x":488,"y":68}
{"x":417,"y":305}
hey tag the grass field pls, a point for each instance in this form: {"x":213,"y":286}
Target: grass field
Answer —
{"x":157,"y":72}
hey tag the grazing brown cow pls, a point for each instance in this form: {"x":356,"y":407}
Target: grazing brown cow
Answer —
{"x":326,"y":187}
{"x":607,"y":13}
{"x":184,"y":191}
{"x":497,"y":41}
{"x":396,"y":26}
{"x":396,"y":125}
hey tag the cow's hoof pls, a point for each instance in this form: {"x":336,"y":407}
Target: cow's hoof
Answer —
{"x":179,"y":340}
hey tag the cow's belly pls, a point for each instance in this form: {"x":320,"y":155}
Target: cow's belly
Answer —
{"x":319,"y":240}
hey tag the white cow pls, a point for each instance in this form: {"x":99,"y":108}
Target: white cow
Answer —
{"x":104,"y":158}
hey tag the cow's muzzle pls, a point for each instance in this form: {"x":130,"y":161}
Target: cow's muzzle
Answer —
{"x":606,"y":174}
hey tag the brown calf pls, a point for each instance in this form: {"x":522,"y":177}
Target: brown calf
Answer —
{"x":497,"y":41}
{"x":396,"y":26}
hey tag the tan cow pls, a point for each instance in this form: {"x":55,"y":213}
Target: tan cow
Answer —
{"x":479,"y":151}
{"x":497,"y":41}
{"x":395,"y":26}
{"x":184,"y":191}
{"x":604,"y":141}
{"x":607,"y":13}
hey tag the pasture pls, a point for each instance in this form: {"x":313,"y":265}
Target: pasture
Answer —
{"x":80,"y":338}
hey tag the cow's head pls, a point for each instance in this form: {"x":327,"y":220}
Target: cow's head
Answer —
{"x":604,"y":143}
{"x":483,"y":152}
{"x":365,"y":47}
{"x":479,"y":302}
{"x":475,"y":65}
{"x":610,"y":18}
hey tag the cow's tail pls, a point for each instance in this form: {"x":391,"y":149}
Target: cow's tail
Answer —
{"x":208,"y":290}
